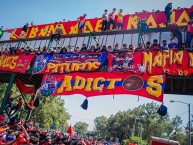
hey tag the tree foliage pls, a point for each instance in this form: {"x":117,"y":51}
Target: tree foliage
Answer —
{"x":142,"y":121}
{"x":101,"y":124}
{"x":136,"y":140}
{"x":81,"y":127}
{"x":50,"y":112}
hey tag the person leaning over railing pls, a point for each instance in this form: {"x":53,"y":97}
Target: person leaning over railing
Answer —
{"x":155,"y":44}
{"x":104,"y":48}
{"x":140,"y":48}
{"x":172,"y":44}
{"x":109,"y":48}
{"x":164,"y":45}
{"x":116,"y":48}
{"x":176,"y":32}
{"x":124,"y":48}
{"x":84,"y":48}
{"x":97,"y":48}
{"x":148,"y":46}
{"x":189,"y":33}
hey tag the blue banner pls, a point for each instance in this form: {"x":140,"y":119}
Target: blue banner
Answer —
{"x":69,"y":62}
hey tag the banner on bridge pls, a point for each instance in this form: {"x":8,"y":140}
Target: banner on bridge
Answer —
{"x":171,"y":62}
{"x":103,"y":83}
{"x":154,"y":20}
{"x":69,"y":62}
{"x":15,"y":63}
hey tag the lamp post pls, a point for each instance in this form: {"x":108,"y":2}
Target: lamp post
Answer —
{"x":189,"y":123}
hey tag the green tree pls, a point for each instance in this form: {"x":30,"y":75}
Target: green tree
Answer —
{"x":142,"y":121}
{"x":81,"y":127}
{"x":136,"y":140}
{"x":177,"y":123}
{"x":101,"y":124}
{"x":51,"y":111}
{"x":2,"y":90}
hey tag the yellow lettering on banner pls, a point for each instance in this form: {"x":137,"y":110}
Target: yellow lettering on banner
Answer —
{"x":74,"y":29}
{"x":8,"y":61}
{"x":95,"y":84}
{"x":93,"y":65}
{"x":178,"y":56}
{"x":132,"y":21}
{"x":88,"y":84}
{"x":162,"y":25}
{"x":173,"y":17}
{"x":191,"y":59}
{"x":65,"y":84}
{"x":157,"y":59}
{"x":33,"y":32}
{"x":12,"y":36}
{"x":67,"y":67}
{"x":147,"y":61}
{"x":62,"y":28}
{"x":52,"y":67}
{"x":112,"y":83}
{"x":61,"y":68}
{"x":79,"y":83}
{"x":170,"y":57}
{"x":154,"y":87}
{"x":51,"y":30}
{"x":165,"y":56}
{"x":89,"y":29}
{"x":71,"y":67}
{"x":98,"y":26}
{"x":43,"y":32}
{"x":151,"y":20}
{"x":183,"y":16}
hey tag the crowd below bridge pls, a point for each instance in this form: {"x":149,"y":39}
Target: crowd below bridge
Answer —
{"x":21,"y":132}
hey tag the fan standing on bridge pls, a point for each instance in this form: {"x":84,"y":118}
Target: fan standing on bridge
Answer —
{"x":112,"y":19}
{"x":24,"y":31}
{"x":105,"y":21}
{"x":120,"y":19}
{"x":81,"y":23}
{"x":168,"y":12}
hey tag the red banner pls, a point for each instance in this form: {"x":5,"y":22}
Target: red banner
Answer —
{"x":154,"y":20}
{"x":15,"y":63}
{"x":103,"y":83}
{"x":171,"y":62}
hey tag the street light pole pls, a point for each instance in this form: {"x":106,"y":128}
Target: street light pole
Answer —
{"x":189,"y":126}
{"x":189,"y":122}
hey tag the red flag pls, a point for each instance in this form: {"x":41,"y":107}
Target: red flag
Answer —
{"x":24,"y":89}
{"x":70,"y":130}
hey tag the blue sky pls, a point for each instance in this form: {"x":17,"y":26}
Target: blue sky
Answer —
{"x":15,"y":13}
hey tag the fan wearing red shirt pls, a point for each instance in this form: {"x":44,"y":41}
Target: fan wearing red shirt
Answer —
{"x":81,"y":23}
{"x":189,"y":33}
{"x":112,"y":19}
{"x":5,"y":52}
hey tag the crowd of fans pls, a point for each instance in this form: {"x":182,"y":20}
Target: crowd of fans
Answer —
{"x":148,"y":46}
{"x":21,"y":132}
{"x":112,"y":21}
